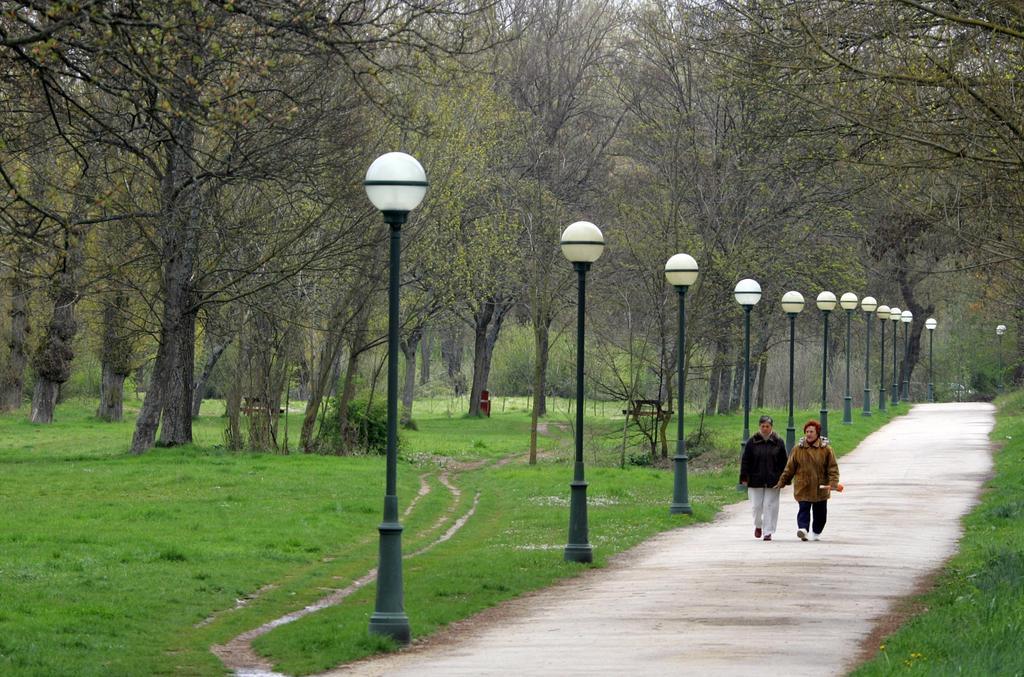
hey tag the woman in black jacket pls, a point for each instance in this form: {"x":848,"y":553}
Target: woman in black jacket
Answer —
{"x":764,"y":459}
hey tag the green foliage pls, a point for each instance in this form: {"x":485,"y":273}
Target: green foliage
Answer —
{"x":367,"y":426}
{"x":512,"y":364}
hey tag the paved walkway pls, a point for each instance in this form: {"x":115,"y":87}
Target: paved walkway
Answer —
{"x":711,"y":600}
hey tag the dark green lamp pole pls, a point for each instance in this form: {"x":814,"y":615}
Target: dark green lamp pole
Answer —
{"x":826,"y":304}
{"x":907,"y":317}
{"x":894,"y":316}
{"x":681,"y":272}
{"x":883,"y":395}
{"x":792,"y":303}
{"x":848,"y":301}
{"x":582,"y":244}
{"x":868,"y":304}
{"x":930,"y":324}
{"x":747,"y":294}
{"x":395,"y":184}
{"x":1000,"y":330}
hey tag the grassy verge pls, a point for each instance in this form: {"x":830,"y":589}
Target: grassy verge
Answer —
{"x":973,"y":620}
{"x":109,"y":563}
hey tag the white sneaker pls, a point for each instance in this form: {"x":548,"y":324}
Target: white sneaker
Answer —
{"x":815,"y":537}
{"x":801,"y":534}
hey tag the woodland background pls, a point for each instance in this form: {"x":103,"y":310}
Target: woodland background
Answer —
{"x":182,"y":215}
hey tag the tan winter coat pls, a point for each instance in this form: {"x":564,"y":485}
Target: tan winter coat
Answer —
{"x":809,"y":467}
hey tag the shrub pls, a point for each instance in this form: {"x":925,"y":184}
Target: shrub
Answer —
{"x":367,"y":428}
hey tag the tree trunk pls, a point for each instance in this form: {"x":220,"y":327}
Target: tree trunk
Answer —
{"x":262,"y":419}
{"x":451,"y":353}
{"x":736,"y":399}
{"x":115,"y":357}
{"x":171,"y":386}
{"x":762,"y":373}
{"x":486,"y":328}
{"x":111,"y":395}
{"x":541,"y":358}
{"x":213,"y":355}
{"x":318,"y":389}
{"x":233,"y":439}
{"x":427,"y":348}
{"x":52,"y":359}
{"x":152,"y":405}
{"x":908,"y":289}
{"x":12,"y":376}
{"x":348,"y":391}
{"x":44,"y":400}
{"x":725,"y":390}
{"x":305,"y":378}
{"x":541,"y":352}
{"x":409,"y":346}
{"x":715,"y":378}
{"x":176,"y":425}
{"x":356,"y":346}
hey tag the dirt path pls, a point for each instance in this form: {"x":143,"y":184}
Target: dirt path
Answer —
{"x":711,"y":600}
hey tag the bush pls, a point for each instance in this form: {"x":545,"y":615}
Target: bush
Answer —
{"x":984,"y":385}
{"x":367,"y":429}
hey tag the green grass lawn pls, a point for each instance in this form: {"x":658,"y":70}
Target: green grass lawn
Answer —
{"x":110,"y":563}
{"x":973,"y":620}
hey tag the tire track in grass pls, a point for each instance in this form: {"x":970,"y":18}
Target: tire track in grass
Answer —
{"x":246,"y":600}
{"x":238,"y":654}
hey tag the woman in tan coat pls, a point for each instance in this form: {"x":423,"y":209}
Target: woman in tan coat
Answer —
{"x":814,"y":472}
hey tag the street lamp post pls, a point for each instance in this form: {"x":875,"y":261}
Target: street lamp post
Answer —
{"x":1000,"y":330}
{"x":883,"y":317}
{"x":868,"y":305}
{"x":582,"y":244}
{"x":894,"y":317}
{"x":907,"y":317}
{"x":849,"y":303}
{"x":681,"y":272}
{"x":826,"y":304}
{"x":747,"y":294}
{"x":792,"y":303}
{"x":395,"y":184}
{"x":930,"y":324}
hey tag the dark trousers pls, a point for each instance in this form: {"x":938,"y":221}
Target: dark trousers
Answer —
{"x":803,"y":516}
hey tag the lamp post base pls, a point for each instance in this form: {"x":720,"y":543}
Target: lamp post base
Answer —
{"x":824,"y":422}
{"x":578,"y":549}
{"x":581,"y":553}
{"x":867,"y":403}
{"x":389,"y":618}
{"x":393,"y":625}
{"x":931,"y":393}
{"x":680,"y":496}
{"x":847,"y":410}
{"x":790,"y":438}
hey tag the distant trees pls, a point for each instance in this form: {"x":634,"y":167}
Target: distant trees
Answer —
{"x":183,"y":176}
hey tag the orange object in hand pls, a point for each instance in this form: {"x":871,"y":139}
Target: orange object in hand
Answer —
{"x":839,"y":488}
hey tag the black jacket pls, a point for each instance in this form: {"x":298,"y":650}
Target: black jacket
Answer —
{"x":763,"y":460}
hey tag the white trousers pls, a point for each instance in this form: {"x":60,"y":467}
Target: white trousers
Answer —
{"x":765,"y":504}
